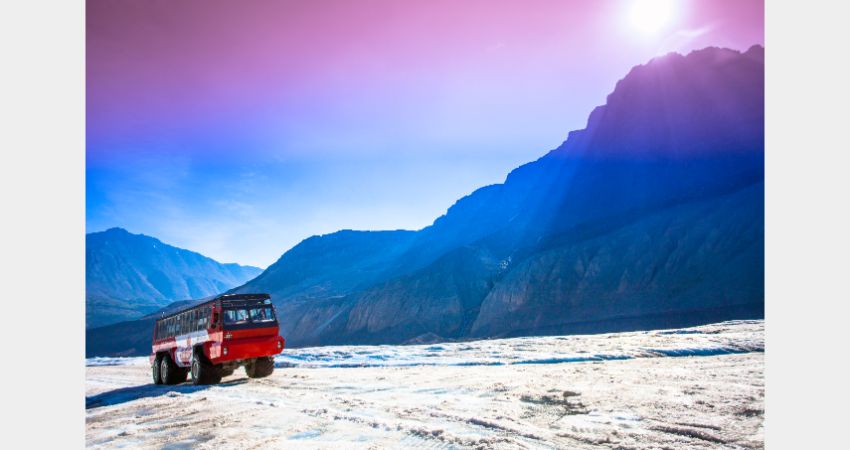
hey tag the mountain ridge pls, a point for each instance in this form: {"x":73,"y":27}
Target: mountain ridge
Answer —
{"x":129,"y":275}
{"x":652,"y":215}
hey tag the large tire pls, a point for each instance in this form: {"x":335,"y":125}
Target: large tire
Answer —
{"x":169,"y":372}
{"x":203,"y":372}
{"x":157,"y":377}
{"x":260,"y":368}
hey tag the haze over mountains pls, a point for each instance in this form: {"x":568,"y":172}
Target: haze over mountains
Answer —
{"x":131,"y":275}
{"x":651,"y":216}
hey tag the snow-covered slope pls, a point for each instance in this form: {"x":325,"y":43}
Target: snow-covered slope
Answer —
{"x":700,"y":387}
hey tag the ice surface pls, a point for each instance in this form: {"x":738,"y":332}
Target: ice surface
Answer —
{"x":717,"y":339}
{"x":117,"y":361}
{"x":700,"y":387}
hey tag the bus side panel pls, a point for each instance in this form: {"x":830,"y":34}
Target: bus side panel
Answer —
{"x":153,"y":352}
{"x":185,"y":345}
{"x":212,"y":348}
{"x":166,"y":345}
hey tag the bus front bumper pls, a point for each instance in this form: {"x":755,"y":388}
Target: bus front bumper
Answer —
{"x":247,"y":348}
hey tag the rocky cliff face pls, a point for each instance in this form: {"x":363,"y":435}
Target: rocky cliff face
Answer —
{"x":652,"y":215}
{"x":694,"y":262}
{"x":130,"y":275}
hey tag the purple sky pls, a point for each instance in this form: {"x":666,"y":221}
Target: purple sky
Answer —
{"x":239,"y":128}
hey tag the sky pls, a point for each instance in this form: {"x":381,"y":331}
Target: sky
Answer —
{"x":239,"y":128}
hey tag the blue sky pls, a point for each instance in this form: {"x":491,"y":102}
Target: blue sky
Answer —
{"x":239,"y":129}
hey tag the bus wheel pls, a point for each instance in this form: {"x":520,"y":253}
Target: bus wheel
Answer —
{"x":260,"y":368}
{"x":202,"y":371}
{"x":168,"y":371}
{"x":157,"y":377}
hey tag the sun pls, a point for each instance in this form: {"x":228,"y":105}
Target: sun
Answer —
{"x":650,"y":16}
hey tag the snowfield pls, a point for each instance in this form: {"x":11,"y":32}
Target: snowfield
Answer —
{"x":700,"y":387}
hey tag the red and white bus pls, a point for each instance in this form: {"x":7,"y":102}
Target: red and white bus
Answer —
{"x":212,"y":339}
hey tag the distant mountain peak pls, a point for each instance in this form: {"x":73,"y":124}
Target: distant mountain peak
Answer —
{"x":755,"y":52}
{"x":113,"y":230}
{"x":708,"y":101}
{"x":129,"y":275}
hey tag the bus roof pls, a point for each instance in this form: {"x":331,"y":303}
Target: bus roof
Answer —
{"x":230,"y":299}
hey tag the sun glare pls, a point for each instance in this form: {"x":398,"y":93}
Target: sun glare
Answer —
{"x":649,"y":16}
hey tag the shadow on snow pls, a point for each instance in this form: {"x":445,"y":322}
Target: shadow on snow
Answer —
{"x":128,"y":394}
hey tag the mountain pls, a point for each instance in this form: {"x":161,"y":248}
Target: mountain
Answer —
{"x":129,"y":337}
{"x":650,"y":216}
{"x":130,"y":275}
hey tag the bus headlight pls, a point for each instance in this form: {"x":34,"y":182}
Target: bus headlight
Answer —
{"x":225,"y":351}
{"x":278,"y":345}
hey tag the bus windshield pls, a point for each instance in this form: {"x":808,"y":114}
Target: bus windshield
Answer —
{"x":243,"y":316}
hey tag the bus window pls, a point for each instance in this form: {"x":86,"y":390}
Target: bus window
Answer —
{"x":202,"y":319}
{"x":235,"y":316}
{"x":261,"y":314}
